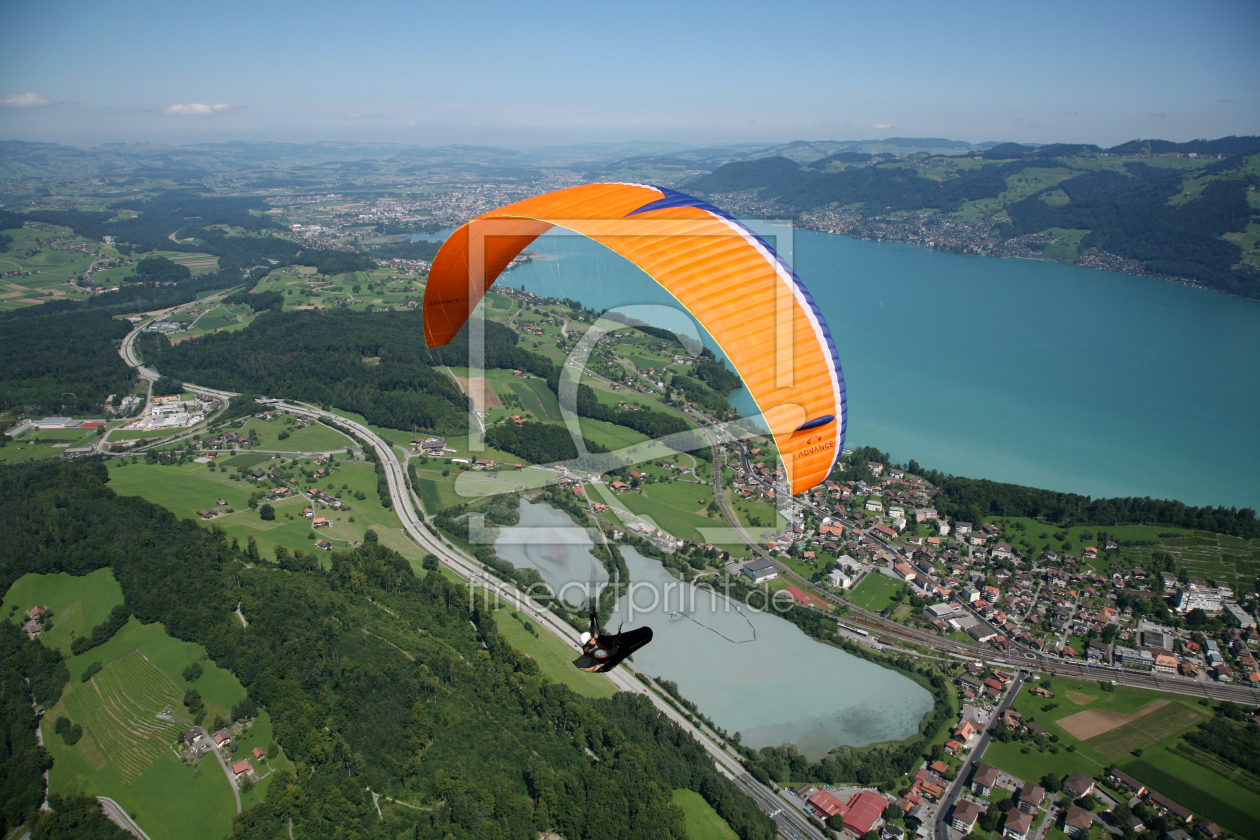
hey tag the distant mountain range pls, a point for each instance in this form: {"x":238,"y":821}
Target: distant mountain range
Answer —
{"x":1182,"y":210}
{"x":25,"y":159}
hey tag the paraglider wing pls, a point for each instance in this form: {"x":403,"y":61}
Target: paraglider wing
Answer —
{"x":751,"y":303}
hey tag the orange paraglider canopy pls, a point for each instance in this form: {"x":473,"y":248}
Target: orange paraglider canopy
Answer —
{"x":759,"y":313}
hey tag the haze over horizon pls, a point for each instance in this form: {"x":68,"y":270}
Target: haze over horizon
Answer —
{"x":523,"y":77}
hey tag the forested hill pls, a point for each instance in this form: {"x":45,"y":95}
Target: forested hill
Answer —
{"x":372,"y":363}
{"x":1174,"y":209}
{"x":376,"y":682}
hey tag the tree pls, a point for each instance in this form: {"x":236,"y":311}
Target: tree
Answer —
{"x":267,"y":512}
{"x":369,"y":536}
{"x":835,"y":822}
{"x":893,"y":812}
{"x":430,"y":563}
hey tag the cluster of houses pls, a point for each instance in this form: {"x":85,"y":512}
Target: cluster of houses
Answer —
{"x":1030,"y":798}
{"x":432,"y":447}
{"x":197,"y":743}
{"x":1162,"y":804}
{"x":35,"y":621}
{"x":225,"y":439}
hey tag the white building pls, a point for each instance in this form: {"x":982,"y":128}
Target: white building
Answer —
{"x":57,"y":423}
{"x":1244,"y":618}
{"x":1194,"y":597}
{"x":761,"y":571}
{"x":839,"y":579}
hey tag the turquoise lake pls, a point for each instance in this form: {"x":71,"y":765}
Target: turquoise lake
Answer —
{"x":1024,"y":371}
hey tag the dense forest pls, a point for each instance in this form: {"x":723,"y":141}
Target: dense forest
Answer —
{"x":374,"y":679}
{"x":534,"y":443}
{"x":61,"y":362}
{"x":1126,"y":213}
{"x":973,"y":500}
{"x":654,"y":424}
{"x":321,"y":357}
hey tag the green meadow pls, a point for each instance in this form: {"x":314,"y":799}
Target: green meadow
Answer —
{"x":131,"y":711}
{"x":78,"y":603}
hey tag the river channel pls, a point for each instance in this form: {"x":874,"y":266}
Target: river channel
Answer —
{"x":747,"y":669}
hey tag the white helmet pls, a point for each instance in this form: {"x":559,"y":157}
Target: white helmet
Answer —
{"x":586,"y":637}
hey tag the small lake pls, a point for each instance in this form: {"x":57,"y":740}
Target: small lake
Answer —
{"x":434,"y":236}
{"x":750,"y":671}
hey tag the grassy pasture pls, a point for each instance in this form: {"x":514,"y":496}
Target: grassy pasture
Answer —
{"x":703,"y":822}
{"x":78,"y":603}
{"x":314,"y":438}
{"x":553,"y":656}
{"x":125,"y":752}
{"x":661,"y":506}
{"x":1199,"y":789}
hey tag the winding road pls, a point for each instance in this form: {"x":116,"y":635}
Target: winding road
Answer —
{"x":790,"y":821}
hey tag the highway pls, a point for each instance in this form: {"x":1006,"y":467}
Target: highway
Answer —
{"x":790,"y":820}
{"x":128,"y":350}
{"x":406,"y":504}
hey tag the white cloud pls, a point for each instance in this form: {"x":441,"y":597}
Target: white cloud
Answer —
{"x":881,"y":125}
{"x":24,"y":100}
{"x":193,"y":109}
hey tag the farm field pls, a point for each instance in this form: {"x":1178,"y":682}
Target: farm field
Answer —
{"x":314,"y":438}
{"x":185,"y":489}
{"x":553,"y":656}
{"x":662,"y":510}
{"x":611,"y":435}
{"x":436,"y":490}
{"x":219,"y":688}
{"x":875,"y":591}
{"x":78,"y":603}
{"x":170,"y":799}
{"x":29,"y":449}
{"x":1133,"y":719}
{"x":182,"y":489}
{"x":1199,"y":789}
{"x":703,"y":823}
{"x":129,"y":712}
{"x":124,"y":752}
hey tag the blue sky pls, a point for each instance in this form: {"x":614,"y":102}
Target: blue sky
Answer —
{"x":523,"y":75}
